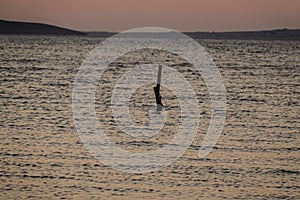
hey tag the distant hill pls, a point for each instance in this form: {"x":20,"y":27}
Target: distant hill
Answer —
{"x":11,"y":27}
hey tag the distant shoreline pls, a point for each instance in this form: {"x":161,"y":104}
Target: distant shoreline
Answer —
{"x":278,"y":34}
{"x":28,"y":28}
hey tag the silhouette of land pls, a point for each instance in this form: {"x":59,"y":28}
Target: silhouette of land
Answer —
{"x":292,"y":34}
{"x":279,"y":34}
{"x":11,"y":27}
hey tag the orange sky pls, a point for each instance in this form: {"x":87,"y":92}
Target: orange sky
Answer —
{"x":181,"y":15}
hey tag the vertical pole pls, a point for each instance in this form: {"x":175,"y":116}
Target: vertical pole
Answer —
{"x":159,"y":74}
{"x":159,"y":104}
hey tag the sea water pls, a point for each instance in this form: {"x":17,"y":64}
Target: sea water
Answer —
{"x":256,"y":157}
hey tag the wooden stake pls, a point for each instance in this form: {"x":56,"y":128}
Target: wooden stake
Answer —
{"x":159,"y":104}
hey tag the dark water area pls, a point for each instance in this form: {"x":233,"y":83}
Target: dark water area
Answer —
{"x":256,"y":157}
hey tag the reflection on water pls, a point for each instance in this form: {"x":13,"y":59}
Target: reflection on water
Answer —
{"x":256,"y":157}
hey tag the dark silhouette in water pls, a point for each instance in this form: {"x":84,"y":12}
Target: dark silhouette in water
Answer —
{"x":159,"y":104}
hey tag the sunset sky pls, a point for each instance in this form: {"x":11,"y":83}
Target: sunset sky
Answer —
{"x":181,"y":15}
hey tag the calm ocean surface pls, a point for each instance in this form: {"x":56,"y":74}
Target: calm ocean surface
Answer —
{"x":42,"y":157}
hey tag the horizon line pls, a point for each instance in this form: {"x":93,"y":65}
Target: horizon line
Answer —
{"x":183,"y":31}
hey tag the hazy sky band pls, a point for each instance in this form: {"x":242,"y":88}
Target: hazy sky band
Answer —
{"x":187,"y":15}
